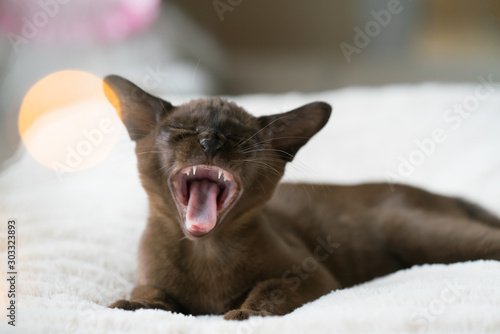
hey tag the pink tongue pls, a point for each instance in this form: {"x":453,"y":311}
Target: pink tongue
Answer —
{"x":202,"y":206}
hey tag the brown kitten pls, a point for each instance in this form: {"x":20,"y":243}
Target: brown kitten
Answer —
{"x":224,"y":238}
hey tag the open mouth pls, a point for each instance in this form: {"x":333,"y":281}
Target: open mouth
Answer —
{"x":203,"y":195}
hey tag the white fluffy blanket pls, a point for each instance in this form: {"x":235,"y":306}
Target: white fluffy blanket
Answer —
{"x":78,"y":237}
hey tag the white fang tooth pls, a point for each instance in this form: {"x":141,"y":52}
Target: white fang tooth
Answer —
{"x":194,"y":170}
{"x":220,"y":173}
{"x":188,"y":172}
{"x":225,"y":178}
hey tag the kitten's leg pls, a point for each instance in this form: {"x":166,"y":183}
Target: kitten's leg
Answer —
{"x":478,"y":213}
{"x":278,"y":297}
{"x":418,"y":237}
{"x":148,"y":297}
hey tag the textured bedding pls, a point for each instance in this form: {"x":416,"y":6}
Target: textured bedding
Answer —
{"x":78,"y":235}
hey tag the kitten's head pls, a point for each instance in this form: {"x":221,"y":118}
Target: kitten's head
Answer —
{"x":208,"y":162}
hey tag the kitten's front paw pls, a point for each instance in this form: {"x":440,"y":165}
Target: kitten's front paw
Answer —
{"x":128,"y":305}
{"x":132,"y":305}
{"x":244,"y":314}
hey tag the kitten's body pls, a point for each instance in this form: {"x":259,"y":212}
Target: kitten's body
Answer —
{"x":223,"y":238}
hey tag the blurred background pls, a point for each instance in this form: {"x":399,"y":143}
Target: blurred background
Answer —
{"x":232,"y":47}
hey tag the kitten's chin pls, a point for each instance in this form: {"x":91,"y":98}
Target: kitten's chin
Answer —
{"x":204,"y":195}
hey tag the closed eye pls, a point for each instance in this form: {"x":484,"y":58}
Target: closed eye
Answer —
{"x":182,"y":129}
{"x":179,"y":127}
{"x":177,"y":134}
{"x":235,"y":138}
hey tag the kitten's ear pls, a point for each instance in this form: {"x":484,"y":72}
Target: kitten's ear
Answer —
{"x":139,"y":111}
{"x":291,"y":130}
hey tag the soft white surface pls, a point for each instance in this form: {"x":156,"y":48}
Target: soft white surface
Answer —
{"x":79,"y":233}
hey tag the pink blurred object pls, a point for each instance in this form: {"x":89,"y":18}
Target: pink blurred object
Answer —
{"x":80,"y":21}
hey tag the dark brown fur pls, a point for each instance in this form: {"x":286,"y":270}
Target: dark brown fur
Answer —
{"x":279,"y":246}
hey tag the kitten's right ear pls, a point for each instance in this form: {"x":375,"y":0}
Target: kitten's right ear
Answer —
{"x":138,"y":110}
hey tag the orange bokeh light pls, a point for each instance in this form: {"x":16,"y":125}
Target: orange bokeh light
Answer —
{"x":66,"y":121}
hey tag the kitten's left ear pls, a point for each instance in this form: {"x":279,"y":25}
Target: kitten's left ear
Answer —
{"x":139,"y":111}
{"x":291,"y":130}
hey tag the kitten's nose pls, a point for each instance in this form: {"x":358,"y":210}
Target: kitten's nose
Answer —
{"x":211,"y":143}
